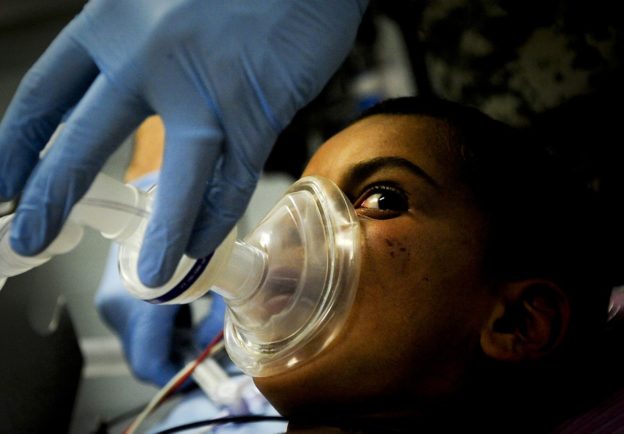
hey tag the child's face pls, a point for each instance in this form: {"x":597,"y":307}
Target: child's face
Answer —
{"x":422,"y":297}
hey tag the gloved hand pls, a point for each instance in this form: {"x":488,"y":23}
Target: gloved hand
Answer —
{"x":156,"y":339}
{"x":226,"y":77}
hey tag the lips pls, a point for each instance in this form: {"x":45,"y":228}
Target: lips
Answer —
{"x":277,"y":304}
{"x":281,"y":290}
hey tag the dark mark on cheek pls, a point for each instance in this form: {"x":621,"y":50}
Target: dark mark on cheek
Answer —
{"x":397,"y":248}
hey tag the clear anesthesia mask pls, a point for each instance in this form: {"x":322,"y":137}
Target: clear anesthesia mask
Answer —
{"x":288,"y":285}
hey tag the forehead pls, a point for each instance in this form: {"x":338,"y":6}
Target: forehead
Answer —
{"x":423,"y":140}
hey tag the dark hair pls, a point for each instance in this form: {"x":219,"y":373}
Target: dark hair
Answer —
{"x":544,"y":222}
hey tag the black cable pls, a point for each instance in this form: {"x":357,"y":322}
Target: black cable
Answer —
{"x":104,"y":425}
{"x":223,"y":420}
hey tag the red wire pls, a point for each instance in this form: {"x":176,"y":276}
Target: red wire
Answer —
{"x":196,"y":363}
{"x":205,"y":353}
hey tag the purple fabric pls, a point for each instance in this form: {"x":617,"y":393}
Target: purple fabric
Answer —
{"x":605,"y":418}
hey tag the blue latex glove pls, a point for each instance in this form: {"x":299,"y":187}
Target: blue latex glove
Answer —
{"x":156,"y":339}
{"x":226,"y":76}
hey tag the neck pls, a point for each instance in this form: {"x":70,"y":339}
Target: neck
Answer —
{"x":402,"y":418}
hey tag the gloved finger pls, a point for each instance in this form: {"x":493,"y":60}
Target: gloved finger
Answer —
{"x":55,"y":83}
{"x":210,"y":326}
{"x":226,"y":199}
{"x":102,"y":120}
{"x":148,"y":343}
{"x":191,"y":153}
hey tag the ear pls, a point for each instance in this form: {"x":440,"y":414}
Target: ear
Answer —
{"x":527,"y":322}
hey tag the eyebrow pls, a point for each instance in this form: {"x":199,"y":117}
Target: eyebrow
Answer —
{"x":365,"y":169}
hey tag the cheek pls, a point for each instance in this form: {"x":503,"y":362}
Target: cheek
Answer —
{"x":414,"y":281}
{"x":395,"y":291}
{"x":394,"y":258}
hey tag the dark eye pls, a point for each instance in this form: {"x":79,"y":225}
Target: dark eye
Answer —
{"x":384,"y":200}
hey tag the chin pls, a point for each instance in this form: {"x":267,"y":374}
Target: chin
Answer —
{"x":291,"y":395}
